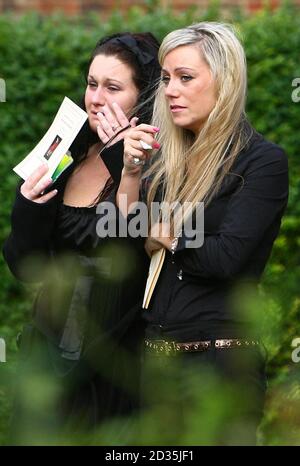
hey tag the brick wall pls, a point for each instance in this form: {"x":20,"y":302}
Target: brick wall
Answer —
{"x":73,"y":7}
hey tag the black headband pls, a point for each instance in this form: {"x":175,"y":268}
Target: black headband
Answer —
{"x":143,"y":58}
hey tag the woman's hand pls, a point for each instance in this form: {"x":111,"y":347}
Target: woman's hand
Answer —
{"x":137,"y":142}
{"x":34,"y":186}
{"x":152,"y":245}
{"x":111,"y":121}
{"x":159,"y":237}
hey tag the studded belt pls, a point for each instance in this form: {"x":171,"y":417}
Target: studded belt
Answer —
{"x":173,"y":347}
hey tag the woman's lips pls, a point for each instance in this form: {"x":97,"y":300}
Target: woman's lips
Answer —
{"x":176,"y":108}
{"x":94,"y":116}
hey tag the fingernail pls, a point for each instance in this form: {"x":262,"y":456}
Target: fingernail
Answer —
{"x":155,"y":128}
{"x":156,"y":145}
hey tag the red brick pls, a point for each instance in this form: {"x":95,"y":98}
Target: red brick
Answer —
{"x":71,"y":7}
{"x":67,"y":6}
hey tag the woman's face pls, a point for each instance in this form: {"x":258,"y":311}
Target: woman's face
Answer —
{"x":189,"y":87}
{"x":109,"y":80}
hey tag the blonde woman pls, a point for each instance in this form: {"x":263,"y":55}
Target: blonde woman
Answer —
{"x":208,"y":153}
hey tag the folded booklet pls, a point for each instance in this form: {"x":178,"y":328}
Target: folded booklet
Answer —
{"x":157,"y":260}
{"x":53,"y":147}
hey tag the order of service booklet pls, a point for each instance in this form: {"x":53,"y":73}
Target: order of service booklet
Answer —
{"x":157,"y":260}
{"x":53,"y":147}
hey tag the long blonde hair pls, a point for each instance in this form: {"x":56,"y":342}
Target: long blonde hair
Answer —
{"x":221,"y":138}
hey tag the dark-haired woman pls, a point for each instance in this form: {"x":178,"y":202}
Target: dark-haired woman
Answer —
{"x":84,"y":338}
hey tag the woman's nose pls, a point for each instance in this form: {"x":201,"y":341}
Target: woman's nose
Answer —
{"x":171,"y":90}
{"x":98,"y":97}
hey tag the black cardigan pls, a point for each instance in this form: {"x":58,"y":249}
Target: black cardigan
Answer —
{"x":32,"y":224}
{"x":197,"y":294}
{"x":50,"y":232}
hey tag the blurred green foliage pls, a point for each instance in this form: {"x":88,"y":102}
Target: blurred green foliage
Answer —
{"x":43,"y":59}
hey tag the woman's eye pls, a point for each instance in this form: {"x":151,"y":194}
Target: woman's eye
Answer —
{"x":165,"y":79}
{"x":113,"y":88}
{"x":186,"y":78}
{"x":92,"y":84}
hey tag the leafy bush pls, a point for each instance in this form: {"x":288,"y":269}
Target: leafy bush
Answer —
{"x":43,"y":59}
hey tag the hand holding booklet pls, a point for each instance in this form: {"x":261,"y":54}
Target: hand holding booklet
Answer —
{"x":53,"y":148}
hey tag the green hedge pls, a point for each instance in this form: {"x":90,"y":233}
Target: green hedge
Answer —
{"x":42,"y":60}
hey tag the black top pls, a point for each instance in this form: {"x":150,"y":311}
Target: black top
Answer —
{"x":194,"y":298}
{"x":88,"y":290}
